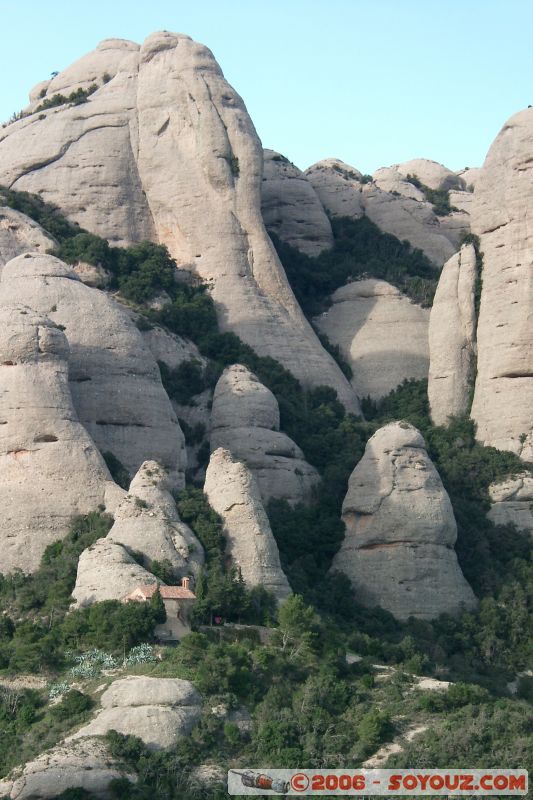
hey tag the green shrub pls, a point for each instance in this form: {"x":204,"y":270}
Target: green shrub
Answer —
{"x":360,"y":250}
{"x":183,"y":382}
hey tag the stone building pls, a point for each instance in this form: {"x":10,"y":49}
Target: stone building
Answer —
{"x":178,"y":601}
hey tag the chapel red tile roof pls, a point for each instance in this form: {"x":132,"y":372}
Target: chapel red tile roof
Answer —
{"x":168,"y":592}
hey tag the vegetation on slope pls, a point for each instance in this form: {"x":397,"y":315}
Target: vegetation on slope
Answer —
{"x":360,"y":250}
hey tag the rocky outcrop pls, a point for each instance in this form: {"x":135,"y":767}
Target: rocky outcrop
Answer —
{"x":107,"y":571}
{"x":147,"y":528}
{"x":157,"y":710}
{"x":115,"y":382}
{"x":391,"y":202}
{"x":503,"y":204}
{"x":233,"y":493}
{"x":147,"y":522}
{"x":20,"y":234}
{"x":83,"y":158}
{"x":452,"y":338}
{"x":400,"y":530}
{"x":50,"y":469}
{"x":245,"y":421}
{"x":157,"y":150}
{"x":380,"y":332}
{"x":84,"y":764}
{"x":512,"y":502}
{"x":291,"y":208}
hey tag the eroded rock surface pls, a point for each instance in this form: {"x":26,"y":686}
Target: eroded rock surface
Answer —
{"x":291,"y":208}
{"x":115,"y":382}
{"x":400,"y":530}
{"x":234,"y":494}
{"x":147,"y":522}
{"x":157,"y":710}
{"x":20,"y":234}
{"x":159,"y":149}
{"x":512,"y":502}
{"x":452,"y":338}
{"x":380,"y":332}
{"x":245,"y":421}
{"x":84,"y":764}
{"x":391,"y":202}
{"x":50,"y":469}
{"x":503,"y":204}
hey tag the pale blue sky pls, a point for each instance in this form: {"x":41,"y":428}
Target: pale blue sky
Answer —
{"x":373,"y":82}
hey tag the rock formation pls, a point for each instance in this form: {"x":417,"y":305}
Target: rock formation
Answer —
{"x":245,"y":421}
{"x":83,"y":764}
{"x":400,"y":530}
{"x":452,"y":338}
{"x":50,"y":469}
{"x":107,"y":571}
{"x":380,"y":332}
{"x":157,"y":710}
{"x":391,"y":202}
{"x":291,"y":208}
{"x":20,"y":234}
{"x":115,"y":382}
{"x":233,"y":493}
{"x":512,"y":502}
{"x":147,"y":528}
{"x":147,"y":522}
{"x":503,"y":202}
{"x":157,"y":150}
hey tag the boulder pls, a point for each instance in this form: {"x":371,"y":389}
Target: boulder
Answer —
{"x":234,"y":494}
{"x":163,"y":146}
{"x":84,"y":764}
{"x":380,"y":332}
{"x":245,"y":421}
{"x":400,"y":530}
{"x":452,"y":338}
{"x":512,"y":502}
{"x":431,"y":173}
{"x":114,"y":379}
{"x":291,"y":208}
{"x":157,"y":710}
{"x":503,"y":203}
{"x":50,"y":469}
{"x":20,"y":234}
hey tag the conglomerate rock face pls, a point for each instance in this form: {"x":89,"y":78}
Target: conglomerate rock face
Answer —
{"x":394,"y":204}
{"x":503,"y":204}
{"x":146,"y":528}
{"x":245,"y":421}
{"x":20,"y":234}
{"x":164,"y":150}
{"x":234,"y":494}
{"x":400,"y":530}
{"x":380,"y":332}
{"x":115,"y":382}
{"x":50,"y":469}
{"x":512,"y":502}
{"x":452,"y":338}
{"x":291,"y":208}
